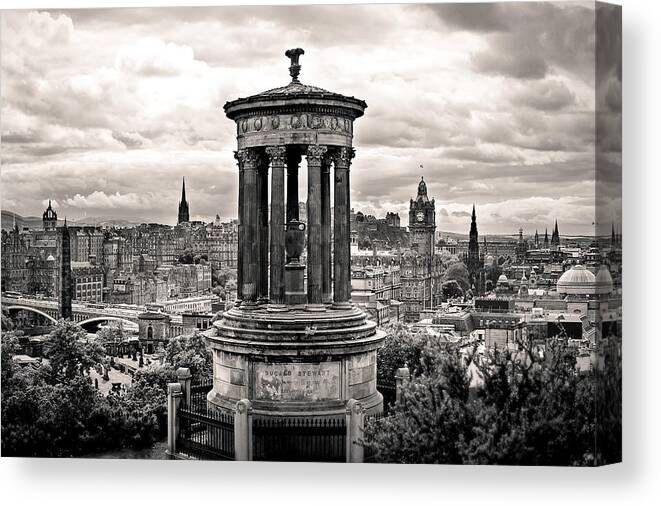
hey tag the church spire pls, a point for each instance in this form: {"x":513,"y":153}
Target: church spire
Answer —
{"x":555,"y":237}
{"x":183,"y":205}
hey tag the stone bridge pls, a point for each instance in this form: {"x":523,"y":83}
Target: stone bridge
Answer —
{"x":82,"y":314}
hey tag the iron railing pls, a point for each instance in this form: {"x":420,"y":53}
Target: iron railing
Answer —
{"x":299,"y":439}
{"x":204,"y":434}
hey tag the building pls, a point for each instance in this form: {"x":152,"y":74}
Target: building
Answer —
{"x":49,"y":218}
{"x":376,"y":289}
{"x":555,"y":237}
{"x":420,"y":268}
{"x":65,"y":280}
{"x":474,"y":262}
{"x":184,"y":215}
{"x":87,"y":281}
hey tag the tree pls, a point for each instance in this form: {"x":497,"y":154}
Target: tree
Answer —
{"x":457,"y":272}
{"x":55,"y":410}
{"x":525,"y":410}
{"x":191,"y":352}
{"x":111,"y":336}
{"x":451,"y":289}
{"x":10,"y":347}
{"x":70,"y":352}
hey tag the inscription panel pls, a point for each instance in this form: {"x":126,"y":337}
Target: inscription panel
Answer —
{"x":297,"y":382}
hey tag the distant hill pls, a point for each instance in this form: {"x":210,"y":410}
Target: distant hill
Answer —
{"x":109,"y":221}
{"x":8,"y":218}
{"x":35,"y":222}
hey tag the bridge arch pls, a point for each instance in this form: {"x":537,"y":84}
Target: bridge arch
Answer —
{"x":107,"y":318}
{"x":34,"y":310}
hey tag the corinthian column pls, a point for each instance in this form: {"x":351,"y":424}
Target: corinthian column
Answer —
{"x":277,"y":156}
{"x":315,"y":155}
{"x":240,"y":233}
{"x":250,"y":160}
{"x":263,"y":227}
{"x":342,"y":226}
{"x":326,"y":287}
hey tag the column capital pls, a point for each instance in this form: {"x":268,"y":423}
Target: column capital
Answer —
{"x":277,"y":154}
{"x":316,"y":153}
{"x":343,"y":156}
{"x":248,"y":157}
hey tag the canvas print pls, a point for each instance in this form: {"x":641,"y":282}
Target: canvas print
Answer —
{"x":349,"y":233}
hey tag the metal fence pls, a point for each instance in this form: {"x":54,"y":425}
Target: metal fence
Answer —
{"x":209,"y":434}
{"x":204,"y":433}
{"x":299,"y":439}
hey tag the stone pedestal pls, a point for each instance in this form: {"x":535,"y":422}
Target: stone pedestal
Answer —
{"x":295,"y":362}
{"x":295,"y":284}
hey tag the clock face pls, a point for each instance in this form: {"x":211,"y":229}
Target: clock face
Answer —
{"x":420,"y":216}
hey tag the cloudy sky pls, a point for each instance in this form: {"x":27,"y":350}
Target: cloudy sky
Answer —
{"x":105,"y":110}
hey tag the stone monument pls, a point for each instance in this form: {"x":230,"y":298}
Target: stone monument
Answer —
{"x":294,"y":345}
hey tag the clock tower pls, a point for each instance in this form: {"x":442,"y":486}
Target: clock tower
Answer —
{"x":420,"y":268}
{"x":422,"y":221}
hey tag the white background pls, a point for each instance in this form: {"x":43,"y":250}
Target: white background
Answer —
{"x":636,"y":481}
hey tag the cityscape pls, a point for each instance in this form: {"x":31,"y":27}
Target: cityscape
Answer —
{"x":313,"y":322}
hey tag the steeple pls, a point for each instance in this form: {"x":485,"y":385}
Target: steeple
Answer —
{"x":546,"y":238}
{"x":183,"y":204}
{"x":555,"y":237}
{"x":49,"y":218}
{"x":422,"y":190}
{"x":473,"y":229}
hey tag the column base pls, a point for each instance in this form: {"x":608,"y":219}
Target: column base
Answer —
{"x":276,"y":308}
{"x":317,"y":308}
{"x":249,"y":305}
{"x":341,"y":305}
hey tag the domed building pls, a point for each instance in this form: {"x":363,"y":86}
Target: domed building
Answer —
{"x":503,"y":285}
{"x":603,"y":281}
{"x":576,"y":281}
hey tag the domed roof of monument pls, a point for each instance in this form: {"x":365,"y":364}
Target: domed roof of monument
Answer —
{"x":502,"y":279}
{"x":577,"y":281}
{"x":295,"y":93}
{"x":604,"y":280}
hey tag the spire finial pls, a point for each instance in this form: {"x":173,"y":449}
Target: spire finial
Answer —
{"x":294,"y":68}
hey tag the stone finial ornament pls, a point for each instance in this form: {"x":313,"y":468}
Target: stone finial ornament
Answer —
{"x":294,"y":68}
